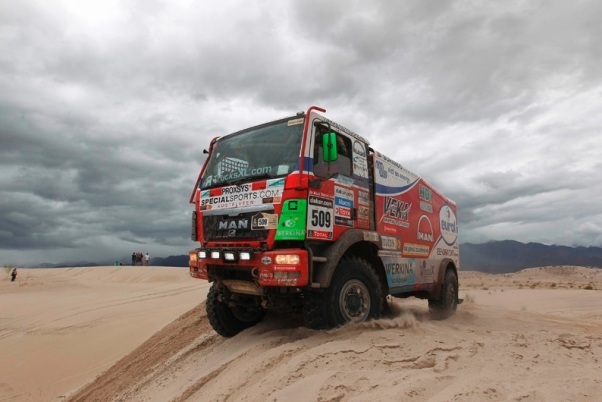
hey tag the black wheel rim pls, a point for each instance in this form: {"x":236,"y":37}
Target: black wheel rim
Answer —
{"x":354,"y":301}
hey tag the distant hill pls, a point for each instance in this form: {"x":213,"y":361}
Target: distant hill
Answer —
{"x":511,"y":256}
{"x":70,"y":264}
{"x":493,"y":257}
{"x":171,"y":261}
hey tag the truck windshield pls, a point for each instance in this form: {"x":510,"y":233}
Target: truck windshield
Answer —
{"x":266,"y":151}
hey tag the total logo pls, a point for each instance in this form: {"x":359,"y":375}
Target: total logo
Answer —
{"x":449,"y":225}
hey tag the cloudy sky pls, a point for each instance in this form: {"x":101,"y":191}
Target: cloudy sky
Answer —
{"x":106,"y":106}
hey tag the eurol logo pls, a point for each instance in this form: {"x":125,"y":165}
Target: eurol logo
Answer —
{"x":449,"y":225}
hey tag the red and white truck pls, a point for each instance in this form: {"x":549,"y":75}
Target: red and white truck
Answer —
{"x":301,"y":215}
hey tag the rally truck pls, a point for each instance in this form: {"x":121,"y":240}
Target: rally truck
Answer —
{"x":302,"y":216}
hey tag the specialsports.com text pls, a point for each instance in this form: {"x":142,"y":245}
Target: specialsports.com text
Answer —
{"x":255,"y":195}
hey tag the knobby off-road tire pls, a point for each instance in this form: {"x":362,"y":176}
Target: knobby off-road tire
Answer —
{"x":447,"y":305}
{"x":314,"y":312}
{"x":229,"y":321}
{"x":355,"y":293}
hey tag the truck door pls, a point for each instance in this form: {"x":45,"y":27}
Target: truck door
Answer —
{"x":340,"y":201}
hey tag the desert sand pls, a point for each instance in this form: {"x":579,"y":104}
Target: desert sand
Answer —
{"x":141,"y":334}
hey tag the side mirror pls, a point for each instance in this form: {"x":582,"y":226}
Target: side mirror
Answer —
{"x":329,"y":147}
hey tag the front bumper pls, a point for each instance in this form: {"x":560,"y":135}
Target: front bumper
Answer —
{"x":283,"y":267}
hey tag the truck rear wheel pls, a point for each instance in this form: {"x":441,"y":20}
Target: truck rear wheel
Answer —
{"x":355,"y":293}
{"x":229,"y":320}
{"x":447,"y":305}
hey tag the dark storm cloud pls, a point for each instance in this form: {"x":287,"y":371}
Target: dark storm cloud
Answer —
{"x":105,"y":108}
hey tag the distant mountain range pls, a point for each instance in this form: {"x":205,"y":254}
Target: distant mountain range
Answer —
{"x":493,"y":257}
{"x":511,"y":256}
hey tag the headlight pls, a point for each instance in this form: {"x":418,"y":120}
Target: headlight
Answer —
{"x":215,"y":255}
{"x":229,"y":255}
{"x":202,"y":254}
{"x":245,"y":255}
{"x":288,"y":259}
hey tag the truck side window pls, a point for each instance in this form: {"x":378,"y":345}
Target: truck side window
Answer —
{"x":343,"y":163}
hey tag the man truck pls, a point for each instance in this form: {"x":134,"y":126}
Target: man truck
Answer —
{"x":302,"y":216}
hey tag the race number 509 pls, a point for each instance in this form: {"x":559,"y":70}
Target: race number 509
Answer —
{"x":320,"y":218}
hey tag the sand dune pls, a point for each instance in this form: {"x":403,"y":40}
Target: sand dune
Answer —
{"x":531,"y":336}
{"x":60,"y":328}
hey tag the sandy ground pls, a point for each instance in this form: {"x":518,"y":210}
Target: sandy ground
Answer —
{"x":60,"y":328}
{"x":141,"y":334}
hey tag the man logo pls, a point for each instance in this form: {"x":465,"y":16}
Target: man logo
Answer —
{"x":425,"y":229}
{"x":234,"y":224}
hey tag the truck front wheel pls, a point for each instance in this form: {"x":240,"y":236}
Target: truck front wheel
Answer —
{"x":229,"y":320}
{"x":355,"y":293}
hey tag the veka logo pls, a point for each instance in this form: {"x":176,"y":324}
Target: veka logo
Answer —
{"x":397,"y":209}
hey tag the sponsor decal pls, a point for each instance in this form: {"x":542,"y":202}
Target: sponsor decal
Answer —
{"x":396,"y":172}
{"x":239,"y":196}
{"x":348,"y":181}
{"x":425,"y":230}
{"x":425,"y":193}
{"x":371,"y":236}
{"x":343,"y":201}
{"x":449,"y":225}
{"x":343,"y":129}
{"x":362,"y":198}
{"x":295,"y":122}
{"x":445,"y":252}
{"x":243,"y":188}
{"x":426,"y":272}
{"x":396,"y":268}
{"x":359,"y":149}
{"x":382,"y":172}
{"x":319,"y":218}
{"x":320,"y":201}
{"x":290,"y":234}
{"x":415,"y":250}
{"x":359,"y":168}
{"x":292,"y":220}
{"x":388,"y":160}
{"x":342,"y":212}
{"x":400,"y":271}
{"x":242,"y":171}
{"x":426,"y":197}
{"x":390,"y":243}
{"x":396,"y":212}
{"x":396,"y":208}
{"x":262,"y":221}
{"x":275,"y":183}
{"x":426,"y":207}
{"x":363,"y":213}
{"x":360,"y":165}
{"x":233,"y":224}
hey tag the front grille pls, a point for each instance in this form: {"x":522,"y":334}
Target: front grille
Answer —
{"x":226,"y":227}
